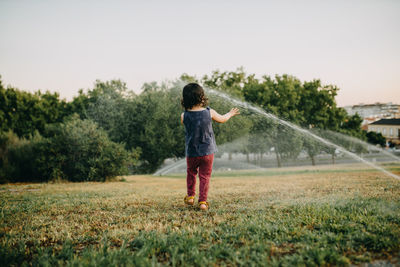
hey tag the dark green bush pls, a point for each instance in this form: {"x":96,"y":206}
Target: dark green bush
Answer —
{"x":77,"y":150}
{"x":85,"y":153}
{"x":8,"y":140}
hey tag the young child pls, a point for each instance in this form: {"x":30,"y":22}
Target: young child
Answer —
{"x":200,"y":141}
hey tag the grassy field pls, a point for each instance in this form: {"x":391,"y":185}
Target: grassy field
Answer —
{"x":295,"y":216}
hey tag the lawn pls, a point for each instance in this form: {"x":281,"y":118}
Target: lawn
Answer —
{"x":293,"y":216}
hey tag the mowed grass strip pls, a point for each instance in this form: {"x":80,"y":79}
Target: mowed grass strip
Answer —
{"x":330,"y":218}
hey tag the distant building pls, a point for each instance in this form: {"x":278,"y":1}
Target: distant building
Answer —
{"x":374,"y":112}
{"x":389,"y":128}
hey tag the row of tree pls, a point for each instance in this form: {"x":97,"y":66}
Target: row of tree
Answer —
{"x":109,"y":130}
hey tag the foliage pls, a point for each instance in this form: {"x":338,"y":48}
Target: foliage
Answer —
{"x":85,"y":153}
{"x":352,"y":126}
{"x":333,"y":138}
{"x":108,"y":108}
{"x":155,"y":125}
{"x":318,"y":105}
{"x":235,"y":128}
{"x":261,"y":136}
{"x":231,"y":82}
{"x":308,"y":104}
{"x":376,"y":138}
{"x":312,"y":147}
{"x":9,"y":144}
{"x":76,"y":150}
{"x":24,"y":113}
{"x":288,"y":143}
{"x":149,"y":122}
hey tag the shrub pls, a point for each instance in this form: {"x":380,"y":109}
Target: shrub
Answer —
{"x":87,"y":154}
{"x":77,"y":150}
{"x":7,"y":140}
{"x":376,"y":138}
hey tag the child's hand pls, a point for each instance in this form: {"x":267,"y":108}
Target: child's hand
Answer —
{"x":234,"y":112}
{"x":224,"y":118}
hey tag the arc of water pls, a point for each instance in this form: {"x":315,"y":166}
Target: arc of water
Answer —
{"x":353,"y":139}
{"x":299,"y":129}
{"x":168,"y":168}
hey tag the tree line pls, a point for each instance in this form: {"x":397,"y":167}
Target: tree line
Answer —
{"x":109,"y":130}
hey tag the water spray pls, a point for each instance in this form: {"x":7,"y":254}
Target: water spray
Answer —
{"x":299,"y":129}
{"x":371,"y":147}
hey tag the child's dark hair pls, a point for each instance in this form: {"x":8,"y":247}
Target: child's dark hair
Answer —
{"x":192,"y":95}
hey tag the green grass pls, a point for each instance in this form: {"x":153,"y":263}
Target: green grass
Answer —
{"x":295,"y":217}
{"x":266,"y":172}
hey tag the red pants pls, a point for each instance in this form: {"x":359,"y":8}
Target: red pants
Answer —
{"x":203,"y":165}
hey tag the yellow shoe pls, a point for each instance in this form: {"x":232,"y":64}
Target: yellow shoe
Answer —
{"x":189,"y":200}
{"x":203,"y":205}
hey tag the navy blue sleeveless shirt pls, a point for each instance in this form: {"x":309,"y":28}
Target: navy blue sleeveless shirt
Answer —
{"x":199,"y":134}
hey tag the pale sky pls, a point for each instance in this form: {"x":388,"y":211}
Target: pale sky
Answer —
{"x":66,"y":45}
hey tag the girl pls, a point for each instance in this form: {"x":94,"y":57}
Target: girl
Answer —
{"x":199,"y":139}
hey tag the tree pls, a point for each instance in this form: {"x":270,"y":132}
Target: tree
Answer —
{"x":226,"y":133}
{"x":24,"y":112}
{"x":352,"y":126}
{"x":77,"y":150}
{"x":155,"y":125}
{"x":261,"y":136}
{"x":376,"y":138}
{"x":108,"y":104}
{"x":312,"y":146}
{"x":279,"y":96}
{"x":231,"y":82}
{"x":288,"y":143}
{"x":7,"y":140}
{"x":149,"y":122}
{"x":318,"y":106}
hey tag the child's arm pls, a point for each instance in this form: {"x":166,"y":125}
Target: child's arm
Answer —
{"x":224,"y":118}
{"x":182,"y":118}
